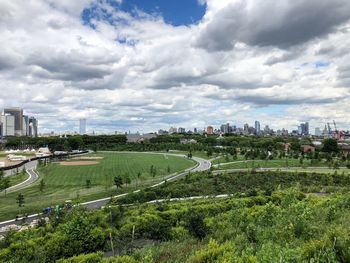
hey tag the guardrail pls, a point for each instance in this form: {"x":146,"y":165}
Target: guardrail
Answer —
{"x":16,"y":166}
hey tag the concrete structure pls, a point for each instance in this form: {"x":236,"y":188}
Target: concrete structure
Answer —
{"x":82,"y":126}
{"x":18,"y":114}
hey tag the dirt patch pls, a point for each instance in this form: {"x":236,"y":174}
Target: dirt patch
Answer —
{"x":77,"y":163}
{"x":88,"y":158}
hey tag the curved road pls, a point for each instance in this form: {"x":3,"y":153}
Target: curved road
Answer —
{"x":202,"y":165}
{"x":33,"y":176}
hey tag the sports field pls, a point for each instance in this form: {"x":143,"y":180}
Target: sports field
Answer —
{"x":70,"y":182}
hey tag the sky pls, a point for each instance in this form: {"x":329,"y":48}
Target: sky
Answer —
{"x":136,"y":65}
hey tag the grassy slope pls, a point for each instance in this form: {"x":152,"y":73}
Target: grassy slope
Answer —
{"x":69,"y":182}
{"x":269,"y":164}
{"x":18,"y":178}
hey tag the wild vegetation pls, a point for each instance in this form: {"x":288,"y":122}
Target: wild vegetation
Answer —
{"x":286,"y":226}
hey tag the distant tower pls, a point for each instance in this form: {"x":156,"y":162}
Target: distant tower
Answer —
{"x":82,"y":126}
{"x":257,"y":127}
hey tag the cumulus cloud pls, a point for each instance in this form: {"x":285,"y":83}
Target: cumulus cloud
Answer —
{"x":126,"y":71}
{"x":271,"y":23}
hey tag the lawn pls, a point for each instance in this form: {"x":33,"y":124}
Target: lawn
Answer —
{"x":69,"y":182}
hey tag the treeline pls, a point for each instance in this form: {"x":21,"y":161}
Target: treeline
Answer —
{"x":56,"y":143}
{"x":251,"y":146}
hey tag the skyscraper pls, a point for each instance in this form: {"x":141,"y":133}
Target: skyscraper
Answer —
{"x":25,"y":131}
{"x":82,"y":126}
{"x":18,"y":114}
{"x":257,"y":128}
{"x":33,"y":127}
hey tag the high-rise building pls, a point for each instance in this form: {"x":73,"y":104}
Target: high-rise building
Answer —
{"x":257,"y":128}
{"x":172,"y":130}
{"x":181,"y":130}
{"x":18,"y":114}
{"x":25,"y":131}
{"x":33,"y":127}
{"x":210,"y":130}
{"x":307,"y":130}
{"x":303,"y":129}
{"x":318,"y":132}
{"x":225,"y":128}
{"x":7,"y":125}
{"x":82,"y":126}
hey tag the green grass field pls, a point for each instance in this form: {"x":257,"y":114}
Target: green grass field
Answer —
{"x":69,"y":182}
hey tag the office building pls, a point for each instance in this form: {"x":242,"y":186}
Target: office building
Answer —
{"x":18,"y":114}
{"x":7,"y":125}
{"x":82,"y":126}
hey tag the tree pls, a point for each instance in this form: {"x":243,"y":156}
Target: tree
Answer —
{"x":118,"y":181}
{"x":127,"y":179}
{"x":20,"y":200}
{"x":41,"y":185}
{"x":209,"y":152}
{"x":88,"y":183}
{"x":168,"y":169}
{"x":330,"y":146}
{"x":4,"y":184}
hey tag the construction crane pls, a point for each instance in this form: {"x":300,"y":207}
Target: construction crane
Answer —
{"x":329,"y":128}
{"x":335,"y":126}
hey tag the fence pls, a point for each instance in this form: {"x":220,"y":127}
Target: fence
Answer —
{"x":19,"y":165}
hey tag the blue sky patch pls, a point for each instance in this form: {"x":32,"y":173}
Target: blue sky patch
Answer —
{"x":175,"y":12}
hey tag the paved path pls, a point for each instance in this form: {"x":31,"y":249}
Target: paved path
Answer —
{"x":202,"y":165}
{"x":33,"y":176}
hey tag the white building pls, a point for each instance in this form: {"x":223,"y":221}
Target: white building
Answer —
{"x":7,"y":125}
{"x":82,"y":126}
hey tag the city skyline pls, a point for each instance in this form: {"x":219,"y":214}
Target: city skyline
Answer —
{"x":148,"y":65}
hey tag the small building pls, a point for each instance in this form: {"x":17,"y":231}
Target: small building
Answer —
{"x":188,"y":141}
{"x":286,"y":147}
{"x":308,"y":148}
{"x":138,"y":138}
{"x":345,"y":149}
